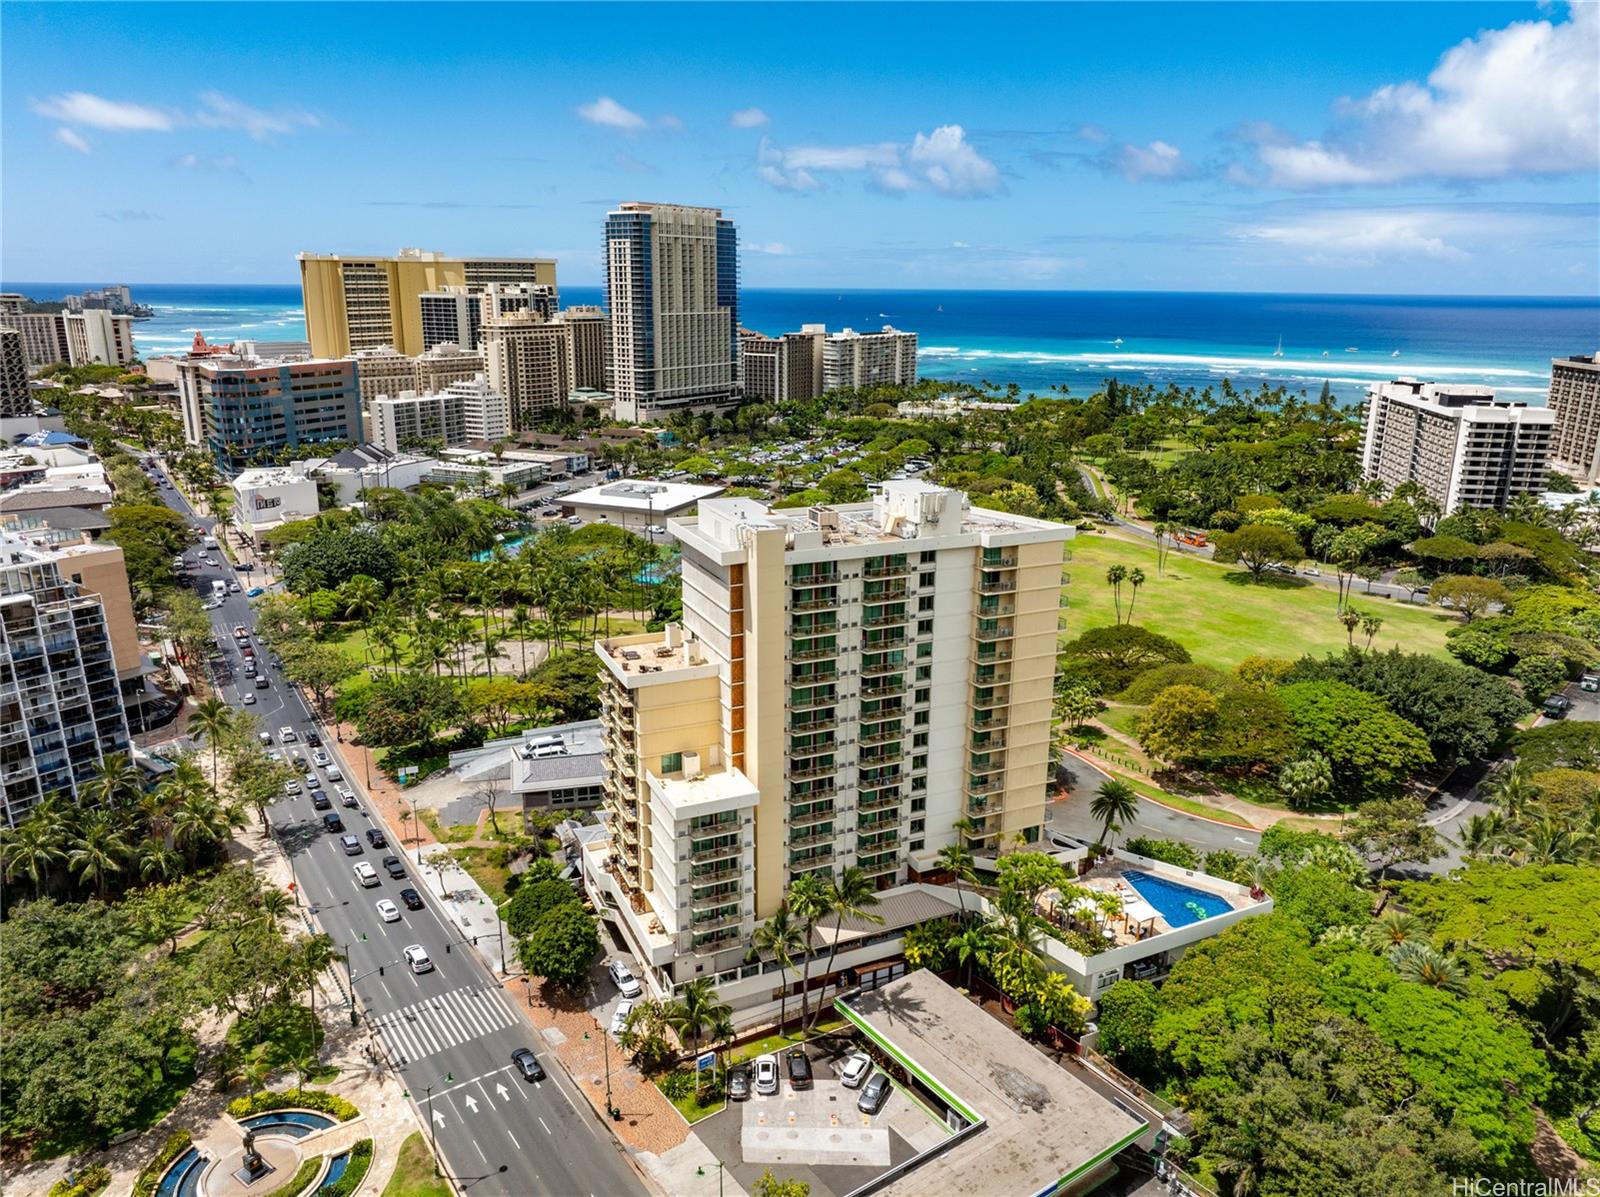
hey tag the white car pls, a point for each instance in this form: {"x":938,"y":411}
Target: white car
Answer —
{"x":291,"y":786}
{"x":334,"y":773}
{"x":622,"y":976}
{"x":367,"y":875}
{"x":417,"y":958}
{"x":286,"y":735}
{"x":388,"y":911}
{"x":249,"y":698}
{"x":767,"y":1075}
{"x":619,"y":1019}
{"x":321,"y":759}
{"x":854,"y":1069}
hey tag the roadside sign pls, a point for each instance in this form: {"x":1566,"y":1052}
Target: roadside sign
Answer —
{"x":706,"y":1062}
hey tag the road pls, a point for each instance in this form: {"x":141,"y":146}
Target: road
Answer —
{"x":1071,"y":816}
{"x":449,"y":1032}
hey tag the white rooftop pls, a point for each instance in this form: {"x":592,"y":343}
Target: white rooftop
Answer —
{"x":643,"y":495}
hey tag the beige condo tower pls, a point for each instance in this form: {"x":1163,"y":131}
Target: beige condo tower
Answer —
{"x":848,"y":682}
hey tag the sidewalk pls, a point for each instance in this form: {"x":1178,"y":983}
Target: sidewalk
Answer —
{"x":468,"y":908}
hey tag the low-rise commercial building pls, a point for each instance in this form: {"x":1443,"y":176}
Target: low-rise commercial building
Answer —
{"x":636,"y":503}
{"x":1575,"y":398}
{"x":481,"y":473}
{"x":367,"y":466}
{"x":265,"y":497}
{"x":545,"y":769}
{"x":1463,"y":446}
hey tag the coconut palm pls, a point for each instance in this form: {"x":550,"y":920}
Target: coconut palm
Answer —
{"x":313,"y":954}
{"x":118,"y":782}
{"x":852,"y":896}
{"x":213,"y":718}
{"x":1114,"y":804}
{"x":1426,"y":965}
{"x":722,"y":1033}
{"x":696,"y":1009}
{"x":1512,"y":789}
{"x":1483,"y":835}
{"x":1116,"y":575}
{"x":157,"y":862}
{"x":1551,"y":841}
{"x":970,"y":946}
{"x":99,"y":852}
{"x":808,"y":903}
{"x":781,"y":938}
{"x":1135,"y":580}
{"x":32,"y":849}
{"x":956,"y":860}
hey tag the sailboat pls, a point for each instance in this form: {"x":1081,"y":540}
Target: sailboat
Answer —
{"x":1324,"y":353}
{"x":1396,"y":353}
{"x":1118,"y":342}
{"x":940,"y":308}
{"x":1278,"y":352}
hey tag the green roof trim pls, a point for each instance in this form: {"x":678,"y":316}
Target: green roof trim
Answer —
{"x":907,"y":1062}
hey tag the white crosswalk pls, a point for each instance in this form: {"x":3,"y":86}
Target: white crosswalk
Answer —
{"x":440,"y":1023}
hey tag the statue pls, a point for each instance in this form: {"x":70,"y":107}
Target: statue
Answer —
{"x":254,"y":1165}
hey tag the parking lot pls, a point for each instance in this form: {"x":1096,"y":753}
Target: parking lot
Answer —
{"x":818,"y":1135}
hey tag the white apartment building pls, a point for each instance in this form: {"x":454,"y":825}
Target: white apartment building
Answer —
{"x":847,"y":683}
{"x":1575,"y":398}
{"x":501,"y":299}
{"x":468,"y":410}
{"x":1463,"y":446}
{"x":529,"y":361}
{"x":481,"y":473}
{"x":853,"y":359}
{"x":449,"y":316}
{"x":382,"y":371}
{"x":672,"y":295}
{"x":268,"y":496}
{"x":96,"y":336}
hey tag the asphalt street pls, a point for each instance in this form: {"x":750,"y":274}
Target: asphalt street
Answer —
{"x":449,"y":1031}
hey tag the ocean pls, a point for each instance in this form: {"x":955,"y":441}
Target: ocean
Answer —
{"x":1041,"y":339}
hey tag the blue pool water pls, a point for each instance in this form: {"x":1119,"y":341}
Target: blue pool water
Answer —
{"x":1176,"y":902}
{"x":295,"y":1123}
{"x":183,"y":1178}
{"x":336,"y":1167}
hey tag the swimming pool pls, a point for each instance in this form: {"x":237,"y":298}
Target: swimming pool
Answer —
{"x":295,"y":1123}
{"x":1181,"y":905}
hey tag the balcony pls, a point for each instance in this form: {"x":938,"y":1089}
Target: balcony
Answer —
{"x":814,"y":792}
{"x":811,"y":857}
{"x":990,"y":784}
{"x":990,"y":652}
{"x":888,"y":754}
{"x":880,"y":800}
{"x":884,"y":819}
{"x":988,"y":610}
{"x":991,"y":697}
{"x":826,"y":769}
{"x":812,"y":697}
{"x":885,"y":567}
{"x":988,"y":674}
{"x":826,"y":720}
{"x":878,"y":841}
{"x":884,"y":619}
{"x":715,"y":938}
{"x":811,"y":817}
{"x":813,"y":650}
{"x":879,"y":668}
{"x":883,"y":733}
{"x":715,"y":850}
{"x":721,"y":872}
{"x":984,"y":720}
{"x":888,"y":686}
{"x":715,"y":922}
{"x":987,"y":762}
{"x":998,"y":561}
{"x":994,"y":634}
{"x":722,"y":897}
{"x":996,"y":585}
{"x":804,"y":839}
{"x":814,"y":602}
{"x":811,"y":675}
{"x":994,"y":740}
{"x":885,"y":862}
{"x":885,"y":592}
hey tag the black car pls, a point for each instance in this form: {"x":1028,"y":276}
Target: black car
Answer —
{"x":320,"y":800}
{"x":411,"y":898}
{"x":395,"y":865}
{"x":332,"y":821}
{"x":311,"y":737}
{"x":1557,"y":706}
{"x":799,"y":1069}
{"x":375,"y":838}
{"x":527,"y":1064}
{"x":739,"y":1084}
{"x":873,"y":1094}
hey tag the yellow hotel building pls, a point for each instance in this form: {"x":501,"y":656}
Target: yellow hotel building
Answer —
{"x":847,"y":683}
{"x":354,"y":303}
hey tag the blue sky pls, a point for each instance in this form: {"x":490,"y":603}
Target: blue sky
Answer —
{"x":1383,"y":148}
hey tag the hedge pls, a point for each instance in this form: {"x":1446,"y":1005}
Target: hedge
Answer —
{"x":177,"y":1143}
{"x":354,"y":1173}
{"x":292,"y":1099}
{"x":89,"y":1182}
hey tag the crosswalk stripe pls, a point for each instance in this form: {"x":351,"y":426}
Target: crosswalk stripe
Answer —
{"x":436,"y":1024}
{"x":449,"y":1020}
{"x":483,"y":1014}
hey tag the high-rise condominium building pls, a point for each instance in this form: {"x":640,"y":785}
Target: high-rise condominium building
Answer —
{"x":462,"y":412}
{"x":501,"y":299}
{"x":449,"y":316}
{"x":385,"y":372}
{"x":847,"y":683}
{"x":241,"y":408}
{"x":1575,"y":398}
{"x":355,"y":303}
{"x":776,"y":369}
{"x":591,"y":350}
{"x":529,"y":361}
{"x":14,"y":397}
{"x":672,"y":297}
{"x":854,"y":359}
{"x":1463,"y":446}
{"x":97,"y":336}
{"x":44,"y":334}
{"x":61,"y":709}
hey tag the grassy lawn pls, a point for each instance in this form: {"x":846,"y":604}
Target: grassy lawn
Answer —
{"x":476,"y":861}
{"x":414,"y":1172}
{"x":690,"y":1106}
{"x":760,"y":1047}
{"x":1121,"y":719}
{"x":1221,"y":617}
{"x":282,"y":1035}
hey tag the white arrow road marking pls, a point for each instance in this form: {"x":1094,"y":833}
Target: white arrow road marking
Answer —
{"x":504,"y":1093}
{"x":438,"y":1117}
{"x":470,"y":1102}
{"x":1239,"y":839}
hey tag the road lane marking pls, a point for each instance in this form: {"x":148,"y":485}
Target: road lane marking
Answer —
{"x":514,"y":1142}
{"x":442,"y":1022}
{"x":479,"y":1150}
{"x":546,"y":1128}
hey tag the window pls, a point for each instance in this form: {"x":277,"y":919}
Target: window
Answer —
{"x":920,"y":719}
{"x":918,"y":805}
{"x":924,"y":695}
{"x":916,"y":845}
{"x":918,"y":825}
{"x":919,"y":783}
{"x":924,"y":627}
{"x":920,"y":740}
{"x":925,"y":603}
{"x":924,"y":651}
{"x":919,"y":762}
{"x":924,"y":673}
{"x":671,"y":762}
{"x":925,"y":579}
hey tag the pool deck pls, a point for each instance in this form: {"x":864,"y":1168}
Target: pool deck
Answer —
{"x":1136,"y":920}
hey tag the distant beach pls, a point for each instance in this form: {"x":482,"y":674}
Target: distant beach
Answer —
{"x":1040,"y":339}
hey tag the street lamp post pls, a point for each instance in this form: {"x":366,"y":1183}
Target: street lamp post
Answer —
{"x":427,"y":1097}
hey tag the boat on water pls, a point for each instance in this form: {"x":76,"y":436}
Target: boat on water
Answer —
{"x":1278,"y":352}
{"x":1396,"y":353}
{"x":1117,"y":342}
{"x":1351,"y":349}
{"x":1324,"y":353}
{"x":940,"y":308}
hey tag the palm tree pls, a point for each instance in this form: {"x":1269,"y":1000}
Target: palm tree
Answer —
{"x":118,"y":780}
{"x":99,"y":852}
{"x":214,"y":719}
{"x":852,"y":896}
{"x":1116,"y":575}
{"x":722,"y":1033}
{"x":1114,"y":804}
{"x":1512,"y":790}
{"x":1392,"y":929}
{"x":1482,"y":835}
{"x":32,"y":849}
{"x":315,"y":953}
{"x":1426,"y":965}
{"x":157,"y":862}
{"x":1551,"y":841}
{"x":970,"y":945}
{"x":956,"y":860}
{"x":781,"y":938}
{"x":1136,"y":580}
{"x":808,"y":900}
{"x":698,"y":1008}
{"x":361,"y":595}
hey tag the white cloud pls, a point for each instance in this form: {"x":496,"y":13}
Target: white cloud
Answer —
{"x":1366,"y":237}
{"x":943,"y":161}
{"x":749,"y":118}
{"x":668,"y":121}
{"x":606,"y":111}
{"x":1159,"y":161}
{"x":97,"y":112}
{"x":1523,"y":100}
{"x":775,"y":249}
{"x":72,"y":140}
{"x":222,"y":164}
{"x":224,"y":112}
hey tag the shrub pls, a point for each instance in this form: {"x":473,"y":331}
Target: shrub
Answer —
{"x":294,"y":1099}
{"x":1228,"y":866}
{"x":86,"y":1183}
{"x":676,"y":1086}
{"x":533,"y":901}
{"x":177,"y":1143}
{"x":354,"y":1173}
{"x":1147,"y":685}
{"x":1173,"y":852}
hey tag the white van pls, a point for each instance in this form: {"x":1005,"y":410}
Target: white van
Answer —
{"x":219,"y":589}
{"x":210,"y":542}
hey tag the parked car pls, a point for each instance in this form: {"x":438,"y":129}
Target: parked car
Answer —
{"x":254,"y":592}
{"x":350,"y":844}
{"x":873,"y":1094}
{"x":767,"y":1075}
{"x":854,"y":1070}
{"x":321,"y":759}
{"x":1556,"y":706}
{"x":396,"y":867}
{"x":411,"y":898}
{"x":291,"y":786}
{"x":375,"y":838}
{"x":619,"y":1017}
{"x":525,"y":1062}
{"x":265,"y":738}
{"x":417,"y":958}
{"x":799,"y":1068}
{"x":388,"y":911}
{"x":622,"y":977}
{"x":1590,"y":683}
{"x":313,"y":739}
{"x":366,"y":874}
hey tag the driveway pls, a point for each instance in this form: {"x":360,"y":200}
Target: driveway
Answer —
{"x":1071,"y":815}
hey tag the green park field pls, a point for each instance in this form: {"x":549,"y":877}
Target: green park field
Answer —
{"x":1221,"y":617}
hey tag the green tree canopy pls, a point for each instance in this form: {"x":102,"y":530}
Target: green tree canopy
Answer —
{"x":562,"y":945}
{"x":1370,"y":749}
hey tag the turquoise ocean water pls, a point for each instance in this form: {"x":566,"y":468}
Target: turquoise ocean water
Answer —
{"x":1042,"y":339}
